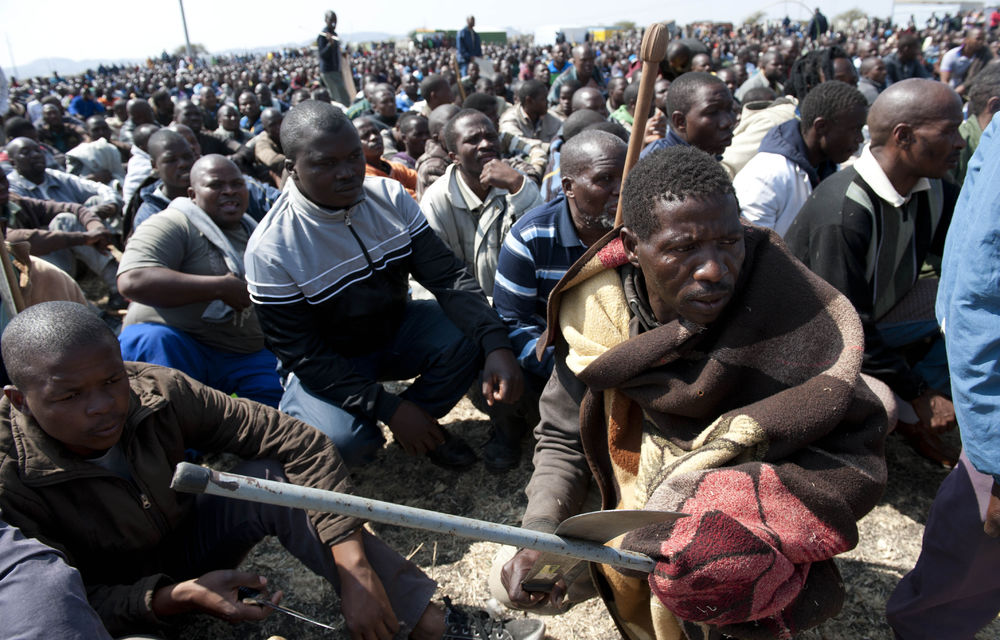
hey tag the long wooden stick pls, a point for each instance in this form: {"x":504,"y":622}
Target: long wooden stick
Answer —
{"x":13,"y":288}
{"x":652,"y":51}
{"x":458,"y":74}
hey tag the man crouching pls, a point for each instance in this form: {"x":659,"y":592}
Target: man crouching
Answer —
{"x":88,"y":445}
{"x":718,"y":377}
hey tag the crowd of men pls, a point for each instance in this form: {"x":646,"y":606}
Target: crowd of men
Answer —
{"x":735,"y":344}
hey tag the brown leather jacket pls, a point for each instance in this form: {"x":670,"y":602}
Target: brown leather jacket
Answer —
{"x":120,"y":534}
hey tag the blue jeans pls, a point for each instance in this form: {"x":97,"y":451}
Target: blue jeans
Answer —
{"x":933,"y":368}
{"x":248,"y":375}
{"x":427,"y":345}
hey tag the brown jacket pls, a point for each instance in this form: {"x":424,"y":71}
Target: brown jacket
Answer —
{"x":121,"y":535}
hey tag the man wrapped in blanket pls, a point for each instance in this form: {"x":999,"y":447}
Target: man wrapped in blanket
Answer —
{"x":701,"y":368}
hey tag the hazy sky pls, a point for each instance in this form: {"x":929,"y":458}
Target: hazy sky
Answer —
{"x":35,"y":29}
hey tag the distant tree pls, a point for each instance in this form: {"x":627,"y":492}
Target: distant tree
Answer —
{"x":850,"y":16}
{"x":754,"y":17}
{"x":625,"y":25}
{"x":196,"y":48}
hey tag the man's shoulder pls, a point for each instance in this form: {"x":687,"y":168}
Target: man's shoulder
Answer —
{"x":836,"y":200}
{"x":546,"y":216}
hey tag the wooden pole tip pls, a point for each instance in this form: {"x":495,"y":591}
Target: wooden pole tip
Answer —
{"x":654,"y":43}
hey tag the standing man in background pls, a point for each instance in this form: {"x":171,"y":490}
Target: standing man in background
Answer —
{"x":469,"y":45}
{"x":328,"y":45}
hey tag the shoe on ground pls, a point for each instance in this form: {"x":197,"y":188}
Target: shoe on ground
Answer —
{"x":501,"y":453}
{"x":476,"y":624}
{"x":928,"y":444}
{"x":453,"y":454}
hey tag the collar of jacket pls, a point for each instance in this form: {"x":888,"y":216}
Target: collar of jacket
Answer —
{"x":42,"y":460}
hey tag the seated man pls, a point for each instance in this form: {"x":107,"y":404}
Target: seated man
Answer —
{"x":477,"y":200}
{"x":140,"y":165}
{"x":526,"y":156}
{"x":172,"y":159}
{"x":250,"y":109}
{"x":796,"y":155}
{"x":106,"y":436}
{"x":432,"y":164}
{"x":625,"y":114}
{"x":57,"y":131}
{"x":375,"y":166}
{"x":190,"y":115}
{"x":183,"y":271}
{"x":699,"y":114}
{"x":770,"y":74}
{"x":31,"y":179}
{"x":685,"y":382}
{"x":327,"y":270}
{"x":868,"y":229}
{"x":267,"y":146}
{"x":984,"y":101}
{"x":536,"y":253}
{"x":33,"y":221}
{"x":139,"y":113}
{"x":530,"y":119}
{"x":99,"y":159}
{"x":414,"y":133}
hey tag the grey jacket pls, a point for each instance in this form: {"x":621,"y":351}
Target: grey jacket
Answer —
{"x":476,"y":237}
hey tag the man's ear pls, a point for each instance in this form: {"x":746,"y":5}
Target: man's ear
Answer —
{"x":567,"y":186}
{"x":290,"y":165}
{"x":630,"y":243}
{"x":821,"y":126}
{"x":453,"y":157}
{"x":678,"y":122}
{"x":191,"y":192}
{"x":993,"y":104}
{"x":17,"y":399}
{"x":902,"y":133}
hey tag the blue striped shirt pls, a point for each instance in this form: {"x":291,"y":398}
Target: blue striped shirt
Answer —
{"x":535,"y":255}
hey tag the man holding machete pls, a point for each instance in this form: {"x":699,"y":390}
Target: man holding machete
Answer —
{"x":701,"y":369}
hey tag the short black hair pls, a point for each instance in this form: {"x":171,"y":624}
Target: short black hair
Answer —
{"x":306,"y":119}
{"x":673,"y":174}
{"x":984,"y":86}
{"x":431,"y":83}
{"x":613,"y":128}
{"x":17,"y":127}
{"x":530,"y":89}
{"x":408,"y":120}
{"x":579,"y":153}
{"x":449,"y":134}
{"x":811,"y":69}
{"x":578,"y":121}
{"x":480,"y":102}
{"x":684,"y":90}
{"x":828,"y":100}
{"x":49,"y":328}
{"x":631,"y":94}
{"x":440,"y":117}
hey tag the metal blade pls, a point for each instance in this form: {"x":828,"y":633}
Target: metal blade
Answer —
{"x":286,"y":610}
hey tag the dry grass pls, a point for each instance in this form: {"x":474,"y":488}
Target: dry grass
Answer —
{"x":890,"y":543}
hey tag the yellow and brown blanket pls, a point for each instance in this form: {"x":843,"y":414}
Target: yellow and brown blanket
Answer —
{"x":757,"y":425}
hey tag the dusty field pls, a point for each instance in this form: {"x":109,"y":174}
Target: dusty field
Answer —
{"x":890,"y":543}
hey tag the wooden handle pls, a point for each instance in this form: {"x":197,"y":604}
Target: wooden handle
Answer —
{"x":652,"y":51}
{"x":458,"y":75}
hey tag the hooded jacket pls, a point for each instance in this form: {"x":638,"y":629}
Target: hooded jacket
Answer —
{"x":774,"y":185}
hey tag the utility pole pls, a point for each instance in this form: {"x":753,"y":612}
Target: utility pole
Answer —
{"x":187,"y":40}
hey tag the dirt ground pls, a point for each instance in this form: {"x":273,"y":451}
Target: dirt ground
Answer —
{"x":890,"y":543}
